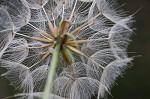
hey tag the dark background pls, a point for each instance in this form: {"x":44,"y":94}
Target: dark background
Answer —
{"x":135,"y":83}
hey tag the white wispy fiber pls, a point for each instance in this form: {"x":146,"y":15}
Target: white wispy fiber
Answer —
{"x":94,"y":36}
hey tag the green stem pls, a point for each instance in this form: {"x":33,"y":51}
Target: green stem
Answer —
{"x":52,"y":71}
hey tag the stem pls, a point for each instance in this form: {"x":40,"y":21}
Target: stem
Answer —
{"x":52,"y":71}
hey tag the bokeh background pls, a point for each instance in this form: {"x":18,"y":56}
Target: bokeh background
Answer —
{"x":135,"y":83}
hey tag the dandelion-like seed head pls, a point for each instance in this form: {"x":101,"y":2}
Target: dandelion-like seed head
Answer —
{"x":63,"y":49}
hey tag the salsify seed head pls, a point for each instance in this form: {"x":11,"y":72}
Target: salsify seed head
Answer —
{"x":93,"y":37}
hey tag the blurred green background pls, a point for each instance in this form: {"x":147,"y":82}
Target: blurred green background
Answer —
{"x":135,"y":83}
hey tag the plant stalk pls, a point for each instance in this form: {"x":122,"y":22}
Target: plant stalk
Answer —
{"x":52,"y":71}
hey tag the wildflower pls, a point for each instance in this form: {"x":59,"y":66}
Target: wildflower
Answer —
{"x":64,"y":48}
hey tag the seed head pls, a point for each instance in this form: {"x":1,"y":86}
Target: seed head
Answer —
{"x":93,"y":36}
